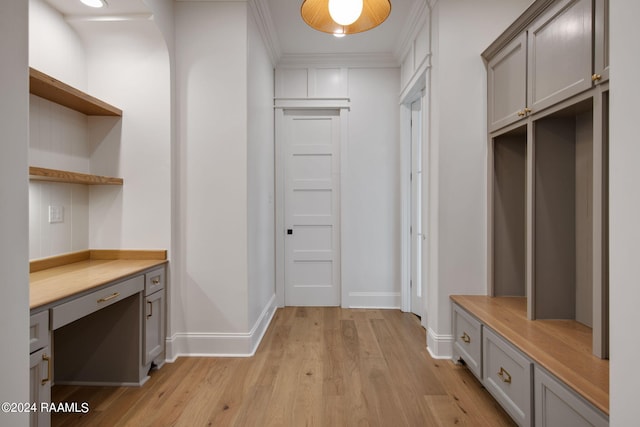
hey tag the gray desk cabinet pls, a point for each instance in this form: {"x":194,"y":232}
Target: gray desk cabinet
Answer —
{"x":154,"y":326}
{"x":39,"y":368}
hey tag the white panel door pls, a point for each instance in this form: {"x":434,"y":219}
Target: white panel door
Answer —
{"x":311,"y":203}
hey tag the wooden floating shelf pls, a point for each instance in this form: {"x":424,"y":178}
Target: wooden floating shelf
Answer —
{"x":47,"y":87}
{"x":54,"y":175}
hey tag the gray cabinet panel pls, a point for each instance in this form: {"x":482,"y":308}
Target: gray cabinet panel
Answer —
{"x":154,"y":326}
{"x":555,"y":405}
{"x":560,"y":53}
{"x":507,"y":84}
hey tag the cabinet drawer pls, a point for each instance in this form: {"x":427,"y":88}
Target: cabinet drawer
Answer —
{"x":507,"y":376}
{"x":556,"y":405}
{"x":468,"y":340}
{"x":153,"y":281}
{"x":70,"y":311}
{"x":39,"y":331}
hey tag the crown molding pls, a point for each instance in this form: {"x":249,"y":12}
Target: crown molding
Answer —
{"x":351,"y":60}
{"x":262,"y":14}
{"x":417,"y":16}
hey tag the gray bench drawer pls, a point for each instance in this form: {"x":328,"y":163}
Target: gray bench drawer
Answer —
{"x":507,"y":376}
{"x":468,"y":340}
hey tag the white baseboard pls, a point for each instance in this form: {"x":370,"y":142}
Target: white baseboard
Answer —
{"x":439,"y":346}
{"x":374,"y":300}
{"x":221,"y":344}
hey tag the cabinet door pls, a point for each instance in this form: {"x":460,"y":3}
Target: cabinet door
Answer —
{"x":558,"y":406}
{"x":601,"y":48}
{"x":507,"y":84}
{"x":560,"y":53}
{"x":154,"y":326}
{"x":40,"y":385}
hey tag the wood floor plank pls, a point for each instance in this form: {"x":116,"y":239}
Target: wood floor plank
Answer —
{"x":314,"y":367}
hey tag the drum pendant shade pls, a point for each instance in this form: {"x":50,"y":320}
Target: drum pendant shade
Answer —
{"x":316,"y":14}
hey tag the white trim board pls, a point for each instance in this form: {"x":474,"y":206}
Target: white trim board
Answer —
{"x":439,"y":346}
{"x":385,"y":300}
{"x":221,"y":344}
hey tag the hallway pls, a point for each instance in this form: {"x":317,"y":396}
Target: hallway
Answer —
{"x":315,"y":366}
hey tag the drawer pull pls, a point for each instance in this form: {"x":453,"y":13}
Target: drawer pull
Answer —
{"x":504,"y":375}
{"x":150,"y":310}
{"x":465,"y":337}
{"x":155,"y":280}
{"x":48,"y":360}
{"x":109,"y":298}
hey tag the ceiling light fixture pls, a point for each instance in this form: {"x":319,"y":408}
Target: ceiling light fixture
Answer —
{"x":95,"y":3}
{"x":325,"y":15}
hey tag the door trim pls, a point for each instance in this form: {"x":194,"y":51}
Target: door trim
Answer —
{"x":280,"y":107}
{"x":417,"y":91}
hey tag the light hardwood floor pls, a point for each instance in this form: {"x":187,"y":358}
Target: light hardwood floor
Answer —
{"x":314,"y":367}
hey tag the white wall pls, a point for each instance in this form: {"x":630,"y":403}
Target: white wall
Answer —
{"x":128,"y":66}
{"x":624,"y":213}
{"x":54,"y":48}
{"x":461,"y":30}
{"x":371,"y":190}
{"x":210,"y":299}
{"x":260,"y":174}
{"x":14,"y":255}
{"x":57,"y":136}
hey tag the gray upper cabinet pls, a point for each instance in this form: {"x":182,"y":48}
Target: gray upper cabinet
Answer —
{"x":507,"y":84}
{"x":601,"y":39}
{"x":560,"y":53}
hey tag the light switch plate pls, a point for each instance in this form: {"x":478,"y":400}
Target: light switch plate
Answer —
{"x":56,"y":214}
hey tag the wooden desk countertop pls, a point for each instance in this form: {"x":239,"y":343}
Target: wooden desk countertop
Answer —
{"x":60,"y":277}
{"x":562,"y":347}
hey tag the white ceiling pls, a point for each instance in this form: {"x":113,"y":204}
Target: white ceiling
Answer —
{"x":292,"y":35}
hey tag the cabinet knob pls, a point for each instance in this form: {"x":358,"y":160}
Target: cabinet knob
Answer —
{"x":527,"y":110}
{"x":521,"y":113}
{"x":465,"y":337}
{"x":596,"y":77}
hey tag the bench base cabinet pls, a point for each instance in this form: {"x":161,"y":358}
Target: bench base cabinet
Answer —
{"x":528,"y":392}
{"x":556,"y":405}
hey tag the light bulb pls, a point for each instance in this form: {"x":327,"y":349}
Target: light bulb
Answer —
{"x":345,"y":12}
{"x":94,"y":3}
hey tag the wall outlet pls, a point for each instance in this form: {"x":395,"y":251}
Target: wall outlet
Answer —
{"x":56,"y":214}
